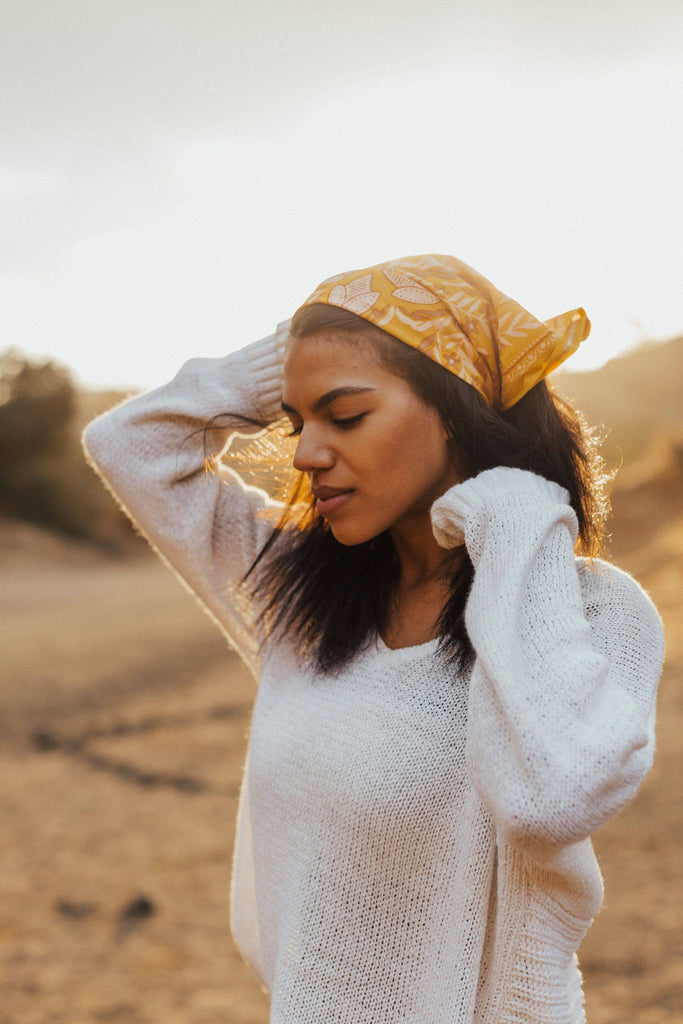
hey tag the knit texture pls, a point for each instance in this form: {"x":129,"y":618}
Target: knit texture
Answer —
{"x":413,"y":844}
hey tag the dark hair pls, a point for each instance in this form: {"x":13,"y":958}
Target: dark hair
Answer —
{"x":541,"y":432}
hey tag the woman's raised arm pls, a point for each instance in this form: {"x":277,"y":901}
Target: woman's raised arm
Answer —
{"x":568,"y":657}
{"x":149,"y":451}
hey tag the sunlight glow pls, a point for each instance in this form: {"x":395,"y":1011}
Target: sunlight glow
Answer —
{"x":551,"y":193}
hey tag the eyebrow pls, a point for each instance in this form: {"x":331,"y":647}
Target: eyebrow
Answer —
{"x":329,"y":397}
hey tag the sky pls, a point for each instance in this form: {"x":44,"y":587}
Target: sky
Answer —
{"x":177,"y":177}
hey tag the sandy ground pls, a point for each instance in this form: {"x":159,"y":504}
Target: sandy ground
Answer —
{"x":123,"y":728}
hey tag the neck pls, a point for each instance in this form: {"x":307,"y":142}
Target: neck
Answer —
{"x":420,"y":557}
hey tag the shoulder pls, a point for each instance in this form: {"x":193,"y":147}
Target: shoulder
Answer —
{"x":606,"y":585}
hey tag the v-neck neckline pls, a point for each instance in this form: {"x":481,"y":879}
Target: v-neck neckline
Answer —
{"x":428,"y":647}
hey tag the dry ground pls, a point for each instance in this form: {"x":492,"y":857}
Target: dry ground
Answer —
{"x":123,"y":730}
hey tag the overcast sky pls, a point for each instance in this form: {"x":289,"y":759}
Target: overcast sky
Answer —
{"x":176,"y":177}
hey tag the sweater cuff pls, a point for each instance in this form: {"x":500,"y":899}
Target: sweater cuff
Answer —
{"x":462,"y":505}
{"x":265,"y":359}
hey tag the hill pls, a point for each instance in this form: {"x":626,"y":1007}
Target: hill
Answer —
{"x":636,"y":397}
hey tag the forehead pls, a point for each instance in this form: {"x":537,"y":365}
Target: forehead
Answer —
{"x":328,"y":359}
{"x":331,"y":344}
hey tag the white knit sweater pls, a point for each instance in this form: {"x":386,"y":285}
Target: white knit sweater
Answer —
{"x":412,"y":844}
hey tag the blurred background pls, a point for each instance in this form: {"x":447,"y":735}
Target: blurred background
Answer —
{"x":175,"y":178}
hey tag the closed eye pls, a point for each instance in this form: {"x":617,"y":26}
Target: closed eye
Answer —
{"x":342,"y":424}
{"x":350,"y":421}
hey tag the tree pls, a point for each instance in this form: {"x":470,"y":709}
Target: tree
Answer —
{"x":43,"y":475}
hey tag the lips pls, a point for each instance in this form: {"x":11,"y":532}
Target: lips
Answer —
{"x":329,"y":499}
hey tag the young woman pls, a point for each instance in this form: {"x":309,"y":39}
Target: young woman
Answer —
{"x":453,"y":694}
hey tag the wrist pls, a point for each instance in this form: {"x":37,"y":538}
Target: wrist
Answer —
{"x":265,"y":359}
{"x":504,"y":494}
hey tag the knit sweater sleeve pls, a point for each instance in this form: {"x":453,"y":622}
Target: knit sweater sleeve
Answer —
{"x":149,"y":452}
{"x":568,"y":657}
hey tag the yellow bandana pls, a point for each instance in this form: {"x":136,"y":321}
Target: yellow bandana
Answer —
{"x":444,"y":308}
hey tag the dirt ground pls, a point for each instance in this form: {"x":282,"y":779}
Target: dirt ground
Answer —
{"x":123,"y":733}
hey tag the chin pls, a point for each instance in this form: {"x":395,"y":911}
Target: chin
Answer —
{"x":350,"y":536}
{"x":349,"y":539}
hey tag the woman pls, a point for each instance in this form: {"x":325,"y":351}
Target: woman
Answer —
{"x":450,"y":701}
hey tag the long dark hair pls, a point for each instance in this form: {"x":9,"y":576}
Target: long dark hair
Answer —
{"x":332,"y":599}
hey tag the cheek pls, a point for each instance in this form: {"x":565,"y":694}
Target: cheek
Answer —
{"x":407,"y":458}
{"x":419,"y":444}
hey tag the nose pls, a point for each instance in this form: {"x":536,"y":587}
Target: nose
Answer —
{"x":311,"y":452}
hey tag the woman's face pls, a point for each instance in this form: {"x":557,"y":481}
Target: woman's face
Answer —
{"x":376,"y":456}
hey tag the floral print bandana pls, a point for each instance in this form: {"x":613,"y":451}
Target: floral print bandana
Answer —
{"x":442,"y":307}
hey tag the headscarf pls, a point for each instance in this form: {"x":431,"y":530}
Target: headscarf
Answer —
{"x":442,"y":307}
